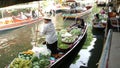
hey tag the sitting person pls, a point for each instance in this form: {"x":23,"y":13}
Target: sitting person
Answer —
{"x":21,"y":16}
{"x":96,"y":18}
{"x":34,"y":15}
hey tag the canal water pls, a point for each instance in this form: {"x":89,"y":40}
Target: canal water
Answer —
{"x":89,"y":57}
{"x":14,"y":41}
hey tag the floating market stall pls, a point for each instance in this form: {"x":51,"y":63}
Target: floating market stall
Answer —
{"x":11,"y":16}
{"x":71,"y":50}
{"x":77,"y":9}
{"x":71,"y":9}
{"x":69,"y":43}
{"x":40,"y":57}
{"x":79,"y":13}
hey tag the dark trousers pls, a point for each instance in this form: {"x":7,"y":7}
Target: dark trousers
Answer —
{"x":53,"y":47}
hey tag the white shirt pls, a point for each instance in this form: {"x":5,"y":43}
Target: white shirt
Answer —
{"x":49,"y":32}
{"x":23,"y":17}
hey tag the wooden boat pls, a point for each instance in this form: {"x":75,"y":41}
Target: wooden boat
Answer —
{"x":69,"y":56}
{"x":10,"y":23}
{"x":101,"y":4}
{"x":78,"y":13}
{"x":66,"y":59}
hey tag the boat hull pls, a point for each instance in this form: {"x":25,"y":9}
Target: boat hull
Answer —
{"x":68,"y":57}
{"x":78,"y":15}
{"x":18,"y":24}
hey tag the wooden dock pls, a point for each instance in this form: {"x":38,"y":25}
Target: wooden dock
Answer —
{"x":114,"y":56}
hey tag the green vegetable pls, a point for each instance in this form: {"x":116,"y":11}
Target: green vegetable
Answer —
{"x":63,"y":31}
{"x":63,"y":46}
{"x":34,"y":59}
{"x":35,"y":63}
{"x":20,"y":63}
{"x":44,"y":62}
{"x":25,"y":56}
{"x":69,"y":39}
{"x":75,"y":31}
{"x":41,"y":62}
{"x":37,"y":66}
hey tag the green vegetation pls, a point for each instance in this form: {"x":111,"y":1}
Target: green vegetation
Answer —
{"x":88,"y":39}
{"x":75,"y":31}
{"x":89,"y":22}
{"x":20,"y":63}
{"x":41,"y":62}
{"x":63,"y":46}
{"x":69,"y":39}
{"x":36,"y":62}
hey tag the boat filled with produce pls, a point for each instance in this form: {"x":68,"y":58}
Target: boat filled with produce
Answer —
{"x":40,"y":57}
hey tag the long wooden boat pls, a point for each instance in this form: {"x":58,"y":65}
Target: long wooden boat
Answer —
{"x":69,"y":56}
{"x":10,"y":23}
{"x":78,"y":14}
{"x":101,"y":4}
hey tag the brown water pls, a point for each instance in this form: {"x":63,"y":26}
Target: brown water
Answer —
{"x":14,"y":41}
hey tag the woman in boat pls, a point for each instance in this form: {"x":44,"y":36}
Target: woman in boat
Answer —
{"x":102,"y":11}
{"x":34,"y":15}
{"x":51,"y":37}
{"x":96,"y":18}
{"x":21,"y":16}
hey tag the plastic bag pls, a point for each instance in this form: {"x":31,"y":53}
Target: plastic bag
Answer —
{"x":41,"y":50}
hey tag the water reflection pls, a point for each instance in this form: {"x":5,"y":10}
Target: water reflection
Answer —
{"x":84,"y":56}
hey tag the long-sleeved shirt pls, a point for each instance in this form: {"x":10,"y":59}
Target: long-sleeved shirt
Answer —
{"x":49,"y":32}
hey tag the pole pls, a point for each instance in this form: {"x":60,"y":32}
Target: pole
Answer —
{"x":2,"y":13}
{"x":37,"y":25}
